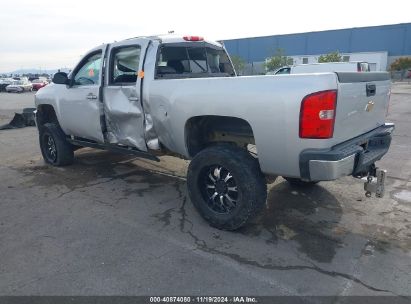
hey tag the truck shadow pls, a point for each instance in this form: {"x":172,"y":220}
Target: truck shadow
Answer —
{"x":307,"y":215}
{"x":92,"y":167}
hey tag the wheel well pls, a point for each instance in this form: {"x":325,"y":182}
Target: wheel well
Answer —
{"x":46,"y":114}
{"x":202,"y":131}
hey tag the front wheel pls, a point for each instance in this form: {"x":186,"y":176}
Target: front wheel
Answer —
{"x":56,"y":150}
{"x":226,"y":186}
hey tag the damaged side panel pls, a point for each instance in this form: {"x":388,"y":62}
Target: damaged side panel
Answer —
{"x":150,"y":133}
{"x":124,"y":116}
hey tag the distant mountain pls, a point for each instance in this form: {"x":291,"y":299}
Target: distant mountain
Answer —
{"x":36,"y":71}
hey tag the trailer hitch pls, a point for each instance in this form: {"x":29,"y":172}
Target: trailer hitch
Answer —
{"x":375,"y":182}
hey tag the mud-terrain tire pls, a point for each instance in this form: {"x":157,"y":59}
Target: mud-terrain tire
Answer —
{"x":226,"y":186}
{"x":296,"y":182}
{"x":56,"y":150}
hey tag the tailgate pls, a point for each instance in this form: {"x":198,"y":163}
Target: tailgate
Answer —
{"x":362,"y":103}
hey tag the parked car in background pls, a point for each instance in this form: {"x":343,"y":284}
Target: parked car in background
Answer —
{"x":38,"y":84}
{"x":4,"y":83}
{"x":19,"y":86}
{"x":359,"y":66}
{"x":22,"y":78}
{"x":282,"y":70}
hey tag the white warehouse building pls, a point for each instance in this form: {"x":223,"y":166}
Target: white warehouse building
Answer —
{"x":377,"y":60}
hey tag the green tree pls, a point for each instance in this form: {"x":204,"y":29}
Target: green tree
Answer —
{"x":278,"y":60}
{"x":330,"y":57}
{"x":401,"y":64}
{"x":238,"y":63}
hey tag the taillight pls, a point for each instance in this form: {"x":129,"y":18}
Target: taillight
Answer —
{"x":317,"y":115}
{"x":193,"y":38}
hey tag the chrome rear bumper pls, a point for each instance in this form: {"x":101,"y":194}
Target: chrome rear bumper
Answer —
{"x":330,"y":170}
{"x":354,"y":157}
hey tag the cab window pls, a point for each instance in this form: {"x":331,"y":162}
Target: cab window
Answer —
{"x":186,"y":61}
{"x":124,"y":65}
{"x":89,"y":72}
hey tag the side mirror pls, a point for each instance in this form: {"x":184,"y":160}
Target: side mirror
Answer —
{"x":61,"y":78}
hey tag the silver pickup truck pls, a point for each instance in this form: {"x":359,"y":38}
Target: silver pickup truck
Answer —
{"x":181,"y":96}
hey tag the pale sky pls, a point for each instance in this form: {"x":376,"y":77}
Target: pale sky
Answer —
{"x":53,"y":34}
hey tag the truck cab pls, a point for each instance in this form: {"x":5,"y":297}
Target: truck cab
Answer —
{"x":104,"y":91}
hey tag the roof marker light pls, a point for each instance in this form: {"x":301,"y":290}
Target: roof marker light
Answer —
{"x":193,"y":38}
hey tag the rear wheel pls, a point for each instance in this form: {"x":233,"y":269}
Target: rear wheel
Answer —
{"x":298,"y":182}
{"x":54,"y":147}
{"x":226,"y":186}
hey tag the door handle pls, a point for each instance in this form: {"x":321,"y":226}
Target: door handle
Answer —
{"x":91,"y":96}
{"x":133,"y":98}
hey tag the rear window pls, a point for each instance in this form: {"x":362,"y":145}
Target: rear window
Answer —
{"x":192,"y":61}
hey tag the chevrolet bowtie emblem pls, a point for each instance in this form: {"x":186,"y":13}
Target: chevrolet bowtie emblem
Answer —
{"x":369,"y":106}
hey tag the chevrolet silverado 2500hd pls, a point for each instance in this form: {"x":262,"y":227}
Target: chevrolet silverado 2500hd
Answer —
{"x":180,"y":95}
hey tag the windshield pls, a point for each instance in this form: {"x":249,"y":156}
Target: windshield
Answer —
{"x":188,"y":60}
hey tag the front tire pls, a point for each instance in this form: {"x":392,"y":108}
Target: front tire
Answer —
{"x":56,"y":150}
{"x":226,"y":186}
